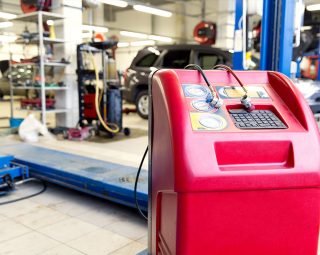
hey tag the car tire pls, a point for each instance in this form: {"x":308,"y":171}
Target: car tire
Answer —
{"x":142,"y":104}
{"x":1,"y":94}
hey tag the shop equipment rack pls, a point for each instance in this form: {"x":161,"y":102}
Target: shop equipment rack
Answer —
{"x":39,"y":18}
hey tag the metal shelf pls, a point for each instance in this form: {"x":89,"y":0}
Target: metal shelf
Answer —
{"x":39,"y":88}
{"x":61,"y":64}
{"x":58,"y":64}
{"x":39,"y":18}
{"x":33,"y":17}
{"x":46,"y":40}
{"x":49,"y":40}
{"x":23,"y":64}
{"x":47,"y":110}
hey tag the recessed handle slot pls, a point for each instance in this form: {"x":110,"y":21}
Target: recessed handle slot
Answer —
{"x":254,"y":155}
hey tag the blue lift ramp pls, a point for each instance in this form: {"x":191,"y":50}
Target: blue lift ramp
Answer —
{"x":104,"y":179}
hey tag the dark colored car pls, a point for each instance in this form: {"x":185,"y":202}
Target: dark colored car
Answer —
{"x":166,"y":56}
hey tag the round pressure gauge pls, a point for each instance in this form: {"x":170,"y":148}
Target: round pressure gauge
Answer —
{"x":195,"y":91}
{"x":214,"y":122}
{"x":202,"y":105}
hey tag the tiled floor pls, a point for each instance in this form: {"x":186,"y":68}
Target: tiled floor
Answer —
{"x":65,"y":222}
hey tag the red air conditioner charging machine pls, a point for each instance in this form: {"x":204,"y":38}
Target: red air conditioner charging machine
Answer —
{"x":228,"y":182}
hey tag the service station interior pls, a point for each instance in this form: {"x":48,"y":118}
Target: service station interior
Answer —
{"x":159,"y":127}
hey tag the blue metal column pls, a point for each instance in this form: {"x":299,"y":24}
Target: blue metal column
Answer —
{"x":318,"y":77}
{"x":277,"y":35}
{"x":238,"y":53}
{"x":286,"y":36}
{"x":267,"y":35}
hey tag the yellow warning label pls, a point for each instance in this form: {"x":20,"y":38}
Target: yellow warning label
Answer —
{"x":236,"y":92}
{"x":207,"y":121}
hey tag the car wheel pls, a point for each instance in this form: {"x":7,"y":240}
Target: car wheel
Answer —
{"x":1,"y":94}
{"x":142,"y":104}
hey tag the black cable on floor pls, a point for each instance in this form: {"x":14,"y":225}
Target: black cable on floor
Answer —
{"x":44,"y":188}
{"x":136,"y":185}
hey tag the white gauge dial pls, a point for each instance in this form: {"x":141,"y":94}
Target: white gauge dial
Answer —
{"x":195,"y":91}
{"x":212,"y":122}
{"x":202,"y":105}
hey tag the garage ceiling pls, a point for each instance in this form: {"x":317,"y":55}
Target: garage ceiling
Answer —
{"x":14,"y":5}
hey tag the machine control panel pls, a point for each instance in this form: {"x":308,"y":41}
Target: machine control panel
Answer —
{"x":232,"y":92}
{"x":204,"y":117}
{"x":257,"y":119}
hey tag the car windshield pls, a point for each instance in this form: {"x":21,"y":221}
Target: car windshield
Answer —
{"x":207,"y":60}
{"x":148,"y":60}
{"x":176,"y":59}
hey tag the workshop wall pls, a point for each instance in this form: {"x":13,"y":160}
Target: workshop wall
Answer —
{"x":179,"y":27}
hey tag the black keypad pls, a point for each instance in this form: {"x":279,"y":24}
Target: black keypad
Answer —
{"x":257,"y":119}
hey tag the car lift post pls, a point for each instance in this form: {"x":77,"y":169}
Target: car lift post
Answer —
{"x":276,"y":36}
{"x":318,"y":77}
{"x":238,"y":54}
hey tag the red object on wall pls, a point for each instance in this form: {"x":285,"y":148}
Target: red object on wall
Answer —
{"x":233,"y":191}
{"x":28,"y":6}
{"x":205,"y":33}
{"x":89,"y":107}
{"x":312,"y":68}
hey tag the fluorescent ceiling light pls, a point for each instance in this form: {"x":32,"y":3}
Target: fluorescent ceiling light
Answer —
{"x":123,"y":44}
{"x":133,"y":34}
{"x":145,"y":36}
{"x":142,"y":43}
{"x":151,"y":10}
{"x":6,"y":15}
{"x":95,"y":28}
{"x":118,"y":3}
{"x":6,"y":24}
{"x":160,"y":38}
{"x":313,"y":7}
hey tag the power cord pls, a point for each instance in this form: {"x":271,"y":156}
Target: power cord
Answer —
{"x":245,"y":100}
{"x":136,"y":185}
{"x":213,"y":97}
{"x":44,"y":188}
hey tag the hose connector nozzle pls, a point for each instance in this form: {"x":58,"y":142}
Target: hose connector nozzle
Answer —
{"x":246,"y":102}
{"x":214,"y":101}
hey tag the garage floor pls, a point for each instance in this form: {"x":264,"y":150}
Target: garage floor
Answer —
{"x":65,"y":222}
